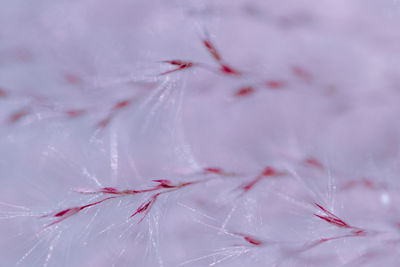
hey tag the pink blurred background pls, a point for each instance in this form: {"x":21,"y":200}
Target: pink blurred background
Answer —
{"x":323,"y":107}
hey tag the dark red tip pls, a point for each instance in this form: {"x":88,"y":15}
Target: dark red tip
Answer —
{"x":110,"y":190}
{"x":268,"y":171}
{"x":177,"y":62}
{"x":315,"y":163}
{"x":359,"y":233}
{"x":61,"y":213}
{"x":253,"y":241}
{"x":213,"y":51}
{"x":182,"y":66}
{"x":229,"y":70}
{"x":213,"y":170}
{"x":17,"y":116}
{"x":164,"y":183}
{"x":122,"y":104}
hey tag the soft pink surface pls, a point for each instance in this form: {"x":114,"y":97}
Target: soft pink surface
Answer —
{"x":88,"y":109}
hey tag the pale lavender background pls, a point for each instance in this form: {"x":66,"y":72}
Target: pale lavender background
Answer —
{"x":348,"y":117}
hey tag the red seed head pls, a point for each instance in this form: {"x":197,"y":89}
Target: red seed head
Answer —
{"x":109,"y":190}
{"x":268,"y":171}
{"x":143,"y":207}
{"x":315,"y":163}
{"x":331,"y":218}
{"x":245,"y":91}
{"x":229,"y":70}
{"x":178,"y":62}
{"x":164,"y":183}
{"x":181,"y":66}
{"x":213,"y":170}
{"x":335,"y":221}
{"x":253,"y":241}
{"x":211,"y":48}
{"x":175,"y":62}
{"x":122,"y":104}
{"x":61,"y":213}
{"x":359,"y":233}
{"x":3,"y":93}
{"x":274,"y":84}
